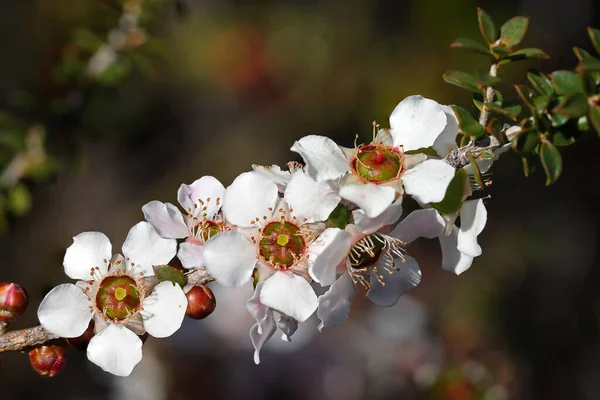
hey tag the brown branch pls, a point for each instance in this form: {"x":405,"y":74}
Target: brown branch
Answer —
{"x":22,"y":339}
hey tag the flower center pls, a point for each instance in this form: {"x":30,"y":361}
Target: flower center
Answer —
{"x":375,"y":163}
{"x":206,"y":229}
{"x":118,"y":297}
{"x":281,"y":244}
{"x":366,"y":252}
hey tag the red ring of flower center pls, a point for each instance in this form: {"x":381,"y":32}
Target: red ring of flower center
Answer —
{"x":281,"y":244}
{"x":118,"y":297}
{"x":378,"y":164}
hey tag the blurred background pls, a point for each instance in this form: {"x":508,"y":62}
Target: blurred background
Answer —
{"x":106,"y":105}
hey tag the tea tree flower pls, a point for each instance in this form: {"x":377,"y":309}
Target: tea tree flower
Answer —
{"x":119,"y":293}
{"x":373,"y":175}
{"x":202,"y":202}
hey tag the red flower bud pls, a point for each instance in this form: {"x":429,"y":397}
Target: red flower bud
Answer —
{"x":48,"y":359}
{"x":81,"y":342}
{"x":201,"y":302}
{"x":13,"y":301}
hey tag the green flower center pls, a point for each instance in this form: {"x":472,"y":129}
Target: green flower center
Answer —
{"x":378,"y":163}
{"x":366,"y":252}
{"x":118,"y":297}
{"x":281,"y":244}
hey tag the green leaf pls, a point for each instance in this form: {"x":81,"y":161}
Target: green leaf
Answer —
{"x":487,"y":155}
{"x":525,"y":141}
{"x":540,"y":103}
{"x":486,"y":26}
{"x":466,"y":123}
{"x":582,"y":124}
{"x":595,"y":38}
{"x":551,"y":161}
{"x":484,"y":79}
{"x":462,"y":80}
{"x":510,"y":111}
{"x":566,"y":82}
{"x":454,"y":194}
{"x":500,"y":51}
{"x":524,"y":54}
{"x":19,"y":200}
{"x":494,"y":128}
{"x":513,"y":31}
{"x":525,"y":93}
{"x":168,"y":273}
{"x":464,"y":140}
{"x":558,"y":119}
{"x":339,"y":217}
{"x":476,"y":172}
{"x":589,"y":64}
{"x":471,"y":45}
{"x":573,"y":105}
{"x":580,"y":53}
{"x":561,"y":139}
{"x":478,"y":99}
{"x":540,"y":82}
{"x":526,"y":166}
{"x":594,"y":117}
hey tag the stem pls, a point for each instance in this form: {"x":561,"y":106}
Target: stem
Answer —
{"x":25,"y":338}
{"x":489,"y":97}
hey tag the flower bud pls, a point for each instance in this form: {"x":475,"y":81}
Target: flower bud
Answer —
{"x":81,"y":342}
{"x":13,"y":301}
{"x":48,"y":359}
{"x":201,"y":302}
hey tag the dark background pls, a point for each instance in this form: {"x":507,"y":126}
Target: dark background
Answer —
{"x":232,"y":83}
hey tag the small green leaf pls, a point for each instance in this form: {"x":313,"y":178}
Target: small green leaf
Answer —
{"x":540,"y":103}
{"x":582,"y":124}
{"x":558,"y":119}
{"x":566,"y":82}
{"x":471,"y":45}
{"x":513,"y":31}
{"x":589,"y":64}
{"x":255,"y":277}
{"x":476,"y":172}
{"x":594,"y":117}
{"x":595,"y":38}
{"x":551,"y":161}
{"x":494,"y":128}
{"x":486,"y":26}
{"x":466,"y":123}
{"x":484,"y":79}
{"x":478,"y":99}
{"x":510,"y":111}
{"x":524,"y":54}
{"x":487,"y":155}
{"x":581,"y":54}
{"x":339,"y":217}
{"x":573,"y":105}
{"x":525,"y":141}
{"x":540,"y":82}
{"x":464,"y":140}
{"x":168,"y":273}
{"x":500,"y":51}
{"x":454,"y":194}
{"x":463,"y":80}
{"x":561,"y":139}
{"x":19,"y":200}
{"x":527,"y":165}
{"x":525,"y":93}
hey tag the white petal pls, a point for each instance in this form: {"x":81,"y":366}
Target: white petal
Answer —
{"x":369,"y":225}
{"x":426,"y":223}
{"x":249,"y":197}
{"x":446,"y":141}
{"x":428,"y":181}
{"x":289,"y":294}
{"x":65,"y":311}
{"x":164,"y":309}
{"x":452,"y":259}
{"x":230,"y":257}
{"x":274,"y":173}
{"x":288,"y":326}
{"x":115,"y":349}
{"x":145,"y":248}
{"x":89,"y":250}
{"x":329,"y":250}
{"x":334,"y":305}
{"x":259,"y":336}
{"x":191,"y":255}
{"x":417,"y":122}
{"x":373,"y":199}
{"x":323,"y":157}
{"x":204,"y":192}
{"x":166,"y":219}
{"x":397,"y":283}
{"x":473,"y":217}
{"x":310,"y":199}
{"x":258,"y":310}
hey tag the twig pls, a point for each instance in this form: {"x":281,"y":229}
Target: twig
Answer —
{"x":489,"y":97}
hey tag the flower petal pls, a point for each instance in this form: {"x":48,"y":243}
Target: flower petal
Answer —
{"x":115,"y":349}
{"x":249,"y":197}
{"x":310,"y":199}
{"x":65,"y":311}
{"x":274,"y":173}
{"x":452,"y":259}
{"x":289,"y":294}
{"x":164,"y":309}
{"x":428,"y":181}
{"x":323,"y":157}
{"x":473,"y":217}
{"x":334,"y":305}
{"x":260,"y":336}
{"x":373,"y":199}
{"x":191,"y":255}
{"x":166,"y":219}
{"x":89,"y":250}
{"x":406,"y":277}
{"x":230,"y":258}
{"x":426,"y":223}
{"x":417,"y":122}
{"x":288,"y":326}
{"x":329,"y":250}
{"x":204,"y":192}
{"x":145,"y":248}
{"x":368,"y":225}
{"x":446,"y":141}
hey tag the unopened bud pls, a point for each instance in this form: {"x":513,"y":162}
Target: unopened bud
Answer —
{"x":13,"y":301}
{"x":201,"y":302}
{"x":81,"y":342}
{"x":48,"y":359}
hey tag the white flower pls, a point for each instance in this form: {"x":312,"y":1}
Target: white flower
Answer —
{"x":202,"y":201}
{"x":276,"y":236}
{"x":373,"y":175}
{"x":119,"y":293}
